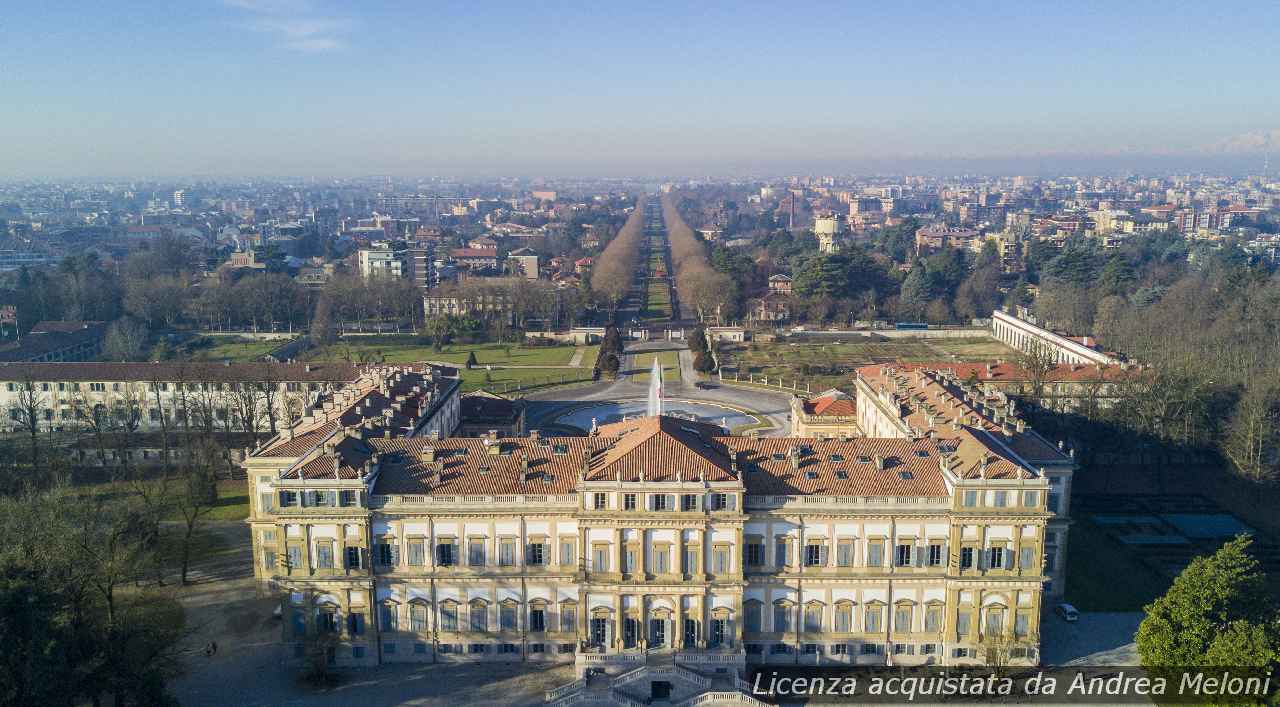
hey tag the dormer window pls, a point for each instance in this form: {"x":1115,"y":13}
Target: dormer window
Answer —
{"x":811,"y":475}
{"x":779,"y":457}
{"x":864,"y":459}
{"x":836,"y":458}
{"x":842,"y":474}
{"x":922,"y":453}
{"x":905,"y":475}
{"x":560,"y":449}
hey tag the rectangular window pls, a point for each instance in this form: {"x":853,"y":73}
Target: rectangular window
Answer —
{"x":875,"y":554}
{"x":628,"y":560}
{"x":1002,"y":499}
{"x":903,"y":558}
{"x":970,"y":499}
{"x":628,"y":501}
{"x":755,"y":554}
{"x":689,"y":502}
{"x":716,"y":639}
{"x":1028,"y":558}
{"x":355,"y":624}
{"x":537,"y":620}
{"x":660,"y":501}
{"x":720,"y":556}
{"x":324,"y":556}
{"x":536,"y":554}
{"x":475,"y":553}
{"x":995,"y":558}
{"x":844,"y":553}
{"x":288,"y":499}
{"x":1021,"y":623}
{"x":387,"y":615}
{"x":265,"y":502}
{"x":995,"y":622}
{"x":966,"y":558}
{"x":507,"y":617}
{"x":780,"y":554}
{"x":600,"y":561}
{"x":479,"y":617}
{"x":812,"y":555}
{"x":268,"y":559}
{"x":1052,"y":502}
{"x":507,"y":553}
{"x":662,"y":561}
{"x":844,"y":618}
{"x":872,"y":623}
{"x":417,"y":552}
{"x":353,"y":558}
{"x":690,"y":560}
{"x":781,"y":618}
{"x":932,"y":618}
{"x":567,"y":556}
{"x":445,"y":555}
{"x":295,"y":558}
{"x":417,"y":617}
{"x":449,"y":617}
{"x":601,"y":501}
{"x":935,"y":555}
{"x":751,"y":622}
{"x":962,"y":624}
{"x":902,"y":619}
{"x":568,"y":619}
{"x":719,"y":501}
{"x":1030,"y":499}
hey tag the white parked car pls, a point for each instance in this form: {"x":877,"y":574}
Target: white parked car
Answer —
{"x":1067,"y":612}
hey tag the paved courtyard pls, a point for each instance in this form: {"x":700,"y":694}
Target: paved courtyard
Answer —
{"x":1098,"y":638}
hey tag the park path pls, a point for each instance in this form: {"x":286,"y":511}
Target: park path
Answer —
{"x":576,"y":361}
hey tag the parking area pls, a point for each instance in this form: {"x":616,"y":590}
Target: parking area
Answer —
{"x":1096,"y":638}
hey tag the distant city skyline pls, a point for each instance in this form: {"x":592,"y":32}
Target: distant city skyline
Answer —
{"x":315,"y":87}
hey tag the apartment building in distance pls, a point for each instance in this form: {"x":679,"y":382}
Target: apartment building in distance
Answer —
{"x":923,"y":403}
{"x":650,"y":541}
{"x":1023,"y":333}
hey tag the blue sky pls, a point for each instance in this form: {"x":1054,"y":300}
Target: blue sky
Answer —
{"x":315,"y":87}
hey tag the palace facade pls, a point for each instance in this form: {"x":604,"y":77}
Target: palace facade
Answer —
{"x":649,"y":541}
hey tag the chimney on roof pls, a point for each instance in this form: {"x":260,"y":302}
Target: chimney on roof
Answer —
{"x":1021,"y":426}
{"x":307,"y":367}
{"x":880,"y":462}
{"x":428,"y":454}
{"x":794,"y":454}
{"x":982,"y":469}
{"x":534,"y":435}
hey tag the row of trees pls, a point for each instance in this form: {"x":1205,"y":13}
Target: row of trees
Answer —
{"x":613,"y":274}
{"x":697,"y":282}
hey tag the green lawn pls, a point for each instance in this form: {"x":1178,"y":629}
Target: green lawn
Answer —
{"x":669,"y":360}
{"x":232,"y":348}
{"x":826,"y":365}
{"x":233,"y":498}
{"x":497,"y":354}
{"x":1104,"y":575}
{"x":495,"y":379}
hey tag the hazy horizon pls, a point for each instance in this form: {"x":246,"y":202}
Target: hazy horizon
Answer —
{"x":228,"y":88}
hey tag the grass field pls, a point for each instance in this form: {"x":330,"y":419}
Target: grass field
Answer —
{"x":476,"y":378}
{"x":831,"y":364}
{"x":233,"y":498}
{"x":222,"y":348}
{"x":496,"y":354}
{"x":669,"y":360}
{"x":657,"y":304}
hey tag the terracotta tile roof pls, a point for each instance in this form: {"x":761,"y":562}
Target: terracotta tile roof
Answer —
{"x":170,"y":371}
{"x":1004,"y":371}
{"x":661,"y":446}
{"x":833,"y":403}
{"x":464,"y":465}
{"x":839,"y":468}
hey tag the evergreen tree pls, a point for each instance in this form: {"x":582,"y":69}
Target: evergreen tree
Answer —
{"x":1218,"y":613}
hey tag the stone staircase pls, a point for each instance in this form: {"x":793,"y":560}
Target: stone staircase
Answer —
{"x":662,"y":684}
